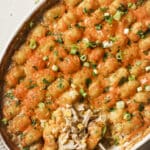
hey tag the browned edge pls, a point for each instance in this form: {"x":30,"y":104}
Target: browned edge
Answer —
{"x":15,"y":43}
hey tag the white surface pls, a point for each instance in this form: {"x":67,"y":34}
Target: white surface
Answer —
{"x":12,"y":14}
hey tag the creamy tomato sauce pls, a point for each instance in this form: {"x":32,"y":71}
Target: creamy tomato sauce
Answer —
{"x":82,"y":78}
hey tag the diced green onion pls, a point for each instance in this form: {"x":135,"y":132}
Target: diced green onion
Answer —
{"x":147,"y":69}
{"x":45,"y":58}
{"x":132,"y":5}
{"x":138,"y":63}
{"x":91,"y":44}
{"x":83,"y":93}
{"x":104,"y":130}
{"x":127,"y":116}
{"x":120,"y":104}
{"x":147,"y":88}
{"x":98,"y":26}
{"x":83,"y":58}
{"x":119,"y":55}
{"x":33,"y":44}
{"x":60,"y":40}
{"x":113,"y":39}
{"x":55,"y":68}
{"x":139,"y":89}
{"x":108,"y":18}
{"x":85,"y":10}
{"x":41,"y":105}
{"x":95,"y":72}
{"x":4,"y":121}
{"x":131,"y":78}
{"x":118,"y":15}
{"x":141,"y":34}
{"x":74,"y":50}
{"x":86,"y":64}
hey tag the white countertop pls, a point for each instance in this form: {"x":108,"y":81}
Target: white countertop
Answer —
{"x":12,"y":14}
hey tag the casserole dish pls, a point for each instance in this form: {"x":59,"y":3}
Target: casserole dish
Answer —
{"x":15,"y":44}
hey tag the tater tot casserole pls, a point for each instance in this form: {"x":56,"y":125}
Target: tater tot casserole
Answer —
{"x":81,"y":80}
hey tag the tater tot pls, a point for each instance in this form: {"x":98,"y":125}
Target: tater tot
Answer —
{"x":128,"y":89}
{"x":31,"y":135}
{"x":69,"y":97}
{"x":57,"y":88}
{"x":142,"y":97}
{"x":70,"y":64}
{"x":19,"y":123}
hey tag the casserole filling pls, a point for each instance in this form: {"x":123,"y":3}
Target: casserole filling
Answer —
{"x":81,"y":80}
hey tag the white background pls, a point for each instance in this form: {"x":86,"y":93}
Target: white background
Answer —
{"x":12,"y":14}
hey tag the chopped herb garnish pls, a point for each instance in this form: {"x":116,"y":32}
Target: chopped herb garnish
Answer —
{"x":41,"y":105}
{"x":33,"y":122}
{"x":127,"y":116}
{"x":60,"y":40}
{"x":83,"y":58}
{"x":46,"y":82}
{"x":95,"y":72}
{"x":113,"y":39}
{"x":51,"y":48}
{"x":117,"y":16}
{"x":132,"y":5}
{"x":141,"y":107}
{"x":138,"y":63}
{"x":94,"y":66}
{"x":104,"y":130}
{"x":31,"y":85}
{"x":60,"y":84}
{"x":116,"y":141}
{"x":4,"y":121}
{"x":131,"y":78}
{"x":55,"y":53}
{"x":108,"y":18}
{"x":112,"y":109}
{"x":140,"y":2}
{"x":85,"y":10}
{"x":88,"y":81}
{"x":79,"y":26}
{"x":57,"y":16}
{"x":98,"y":26}
{"x":10,"y":94}
{"x":74,"y":50}
{"x":119,"y":55}
{"x":141,"y":34}
{"x":86,"y":64}
{"x":120,"y":12}
{"x":33,"y":44}
{"x":26,"y":148}
{"x":83,"y":93}
{"x":91,"y":44}
{"x":45,"y":58}
{"x":55,"y":68}
{"x":122,"y":81}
